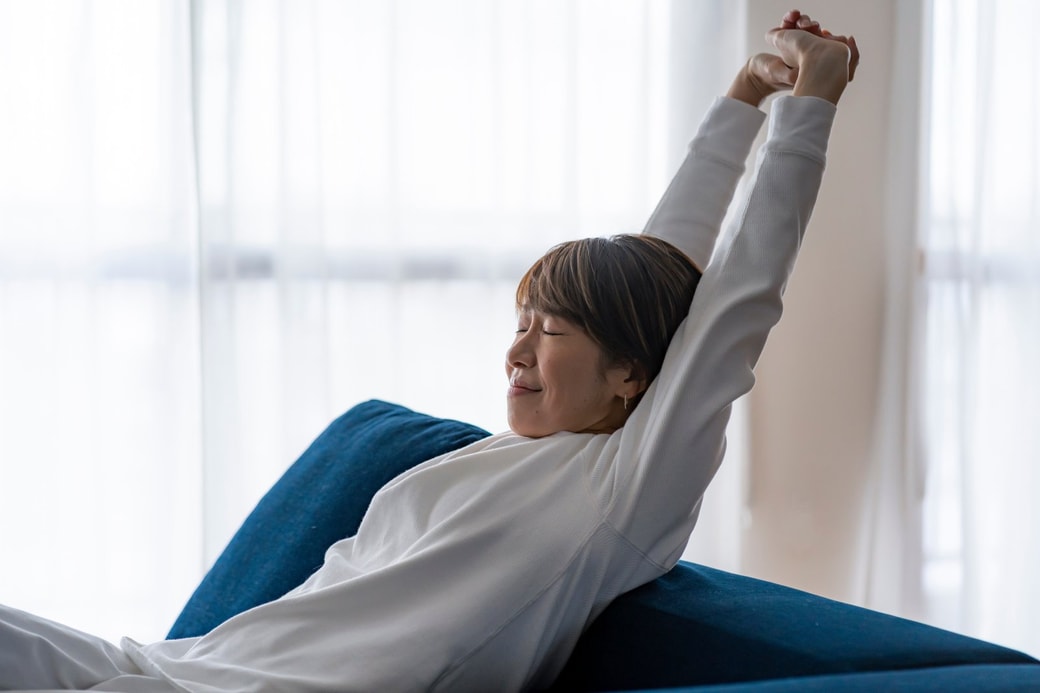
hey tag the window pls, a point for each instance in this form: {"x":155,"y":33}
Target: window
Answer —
{"x":221,"y":229}
{"x":981,"y":256}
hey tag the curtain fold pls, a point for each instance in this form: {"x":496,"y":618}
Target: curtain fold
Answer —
{"x":889,"y":574}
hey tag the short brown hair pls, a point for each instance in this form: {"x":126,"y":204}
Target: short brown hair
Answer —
{"x":628,"y":292}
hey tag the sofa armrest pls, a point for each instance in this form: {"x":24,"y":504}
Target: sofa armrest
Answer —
{"x":697,"y":625}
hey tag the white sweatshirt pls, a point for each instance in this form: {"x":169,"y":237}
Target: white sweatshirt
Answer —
{"x":478,"y":570}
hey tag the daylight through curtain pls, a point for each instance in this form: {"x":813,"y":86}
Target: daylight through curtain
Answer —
{"x":225,"y":222}
{"x":982,"y":273}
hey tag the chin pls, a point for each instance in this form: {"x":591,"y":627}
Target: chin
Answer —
{"x":527,"y":429}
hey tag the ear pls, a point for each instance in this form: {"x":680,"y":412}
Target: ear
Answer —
{"x":633,"y":381}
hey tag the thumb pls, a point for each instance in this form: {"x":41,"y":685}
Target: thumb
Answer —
{"x":777,"y":72}
{"x":782,"y":73}
{"x":776,"y":36}
{"x":788,"y":43}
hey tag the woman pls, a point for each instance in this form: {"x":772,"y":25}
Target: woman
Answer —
{"x":478,"y":570}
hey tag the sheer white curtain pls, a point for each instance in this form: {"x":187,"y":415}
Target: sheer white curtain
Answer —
{"x":374,"y":177}
{"x":99,"y":389}
{"x":223,"y":223}
{"x":982,"y":273}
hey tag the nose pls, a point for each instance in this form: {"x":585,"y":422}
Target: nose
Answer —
{"x":521,"y":353}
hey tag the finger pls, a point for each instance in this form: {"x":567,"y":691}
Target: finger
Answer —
{"x":773,"y":36}
{"x":854,"y":57}
{"x":849,"y":42}
{"x":810,"y":25}
{"x":780,"y":39}
{"x":771,"y":70}
{"x":782,"y":74}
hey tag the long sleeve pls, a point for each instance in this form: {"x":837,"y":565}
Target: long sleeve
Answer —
{"x":691,"y":210}
{"x":675,"y":439}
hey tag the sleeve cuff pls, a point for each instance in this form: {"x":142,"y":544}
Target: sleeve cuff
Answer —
{"x":728,"y":130}
{"x":802,"y":125}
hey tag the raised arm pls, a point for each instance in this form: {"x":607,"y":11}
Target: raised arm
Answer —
{"x":691,"y":211}
{"x":674,"y":441}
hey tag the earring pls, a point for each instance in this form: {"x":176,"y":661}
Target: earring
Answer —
{"x":626,"y":402}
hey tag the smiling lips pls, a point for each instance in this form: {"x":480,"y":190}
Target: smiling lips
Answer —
{"x":517,"y":387}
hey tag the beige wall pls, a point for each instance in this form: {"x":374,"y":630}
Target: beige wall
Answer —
{"x":812,"y":411}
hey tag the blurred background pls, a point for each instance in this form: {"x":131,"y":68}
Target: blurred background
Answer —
{"x":223,"y":223}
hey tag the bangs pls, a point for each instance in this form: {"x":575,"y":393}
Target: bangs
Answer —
{"x":554,"y":284}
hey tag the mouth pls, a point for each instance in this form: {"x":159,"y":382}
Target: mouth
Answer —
{"x":517,"y":388}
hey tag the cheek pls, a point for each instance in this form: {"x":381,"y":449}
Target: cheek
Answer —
{"x":579,"y":384}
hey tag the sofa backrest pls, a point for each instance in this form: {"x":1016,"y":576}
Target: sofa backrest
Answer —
{"x":319,"y":500}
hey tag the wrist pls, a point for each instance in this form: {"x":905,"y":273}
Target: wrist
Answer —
{"x":748,"y":88}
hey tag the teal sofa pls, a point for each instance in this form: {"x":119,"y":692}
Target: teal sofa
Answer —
{"x":693,"y":629}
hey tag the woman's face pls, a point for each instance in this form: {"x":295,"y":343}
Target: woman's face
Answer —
{"x":558,"y":380}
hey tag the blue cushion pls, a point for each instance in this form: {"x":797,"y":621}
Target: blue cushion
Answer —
{"x":697,"y":625}
{"x":318,"y":501}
